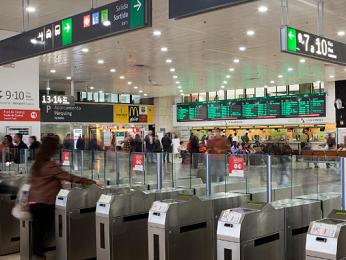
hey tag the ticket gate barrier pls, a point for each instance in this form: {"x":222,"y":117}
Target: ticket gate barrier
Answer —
{"x":185,"y":227}
{"x":9,"y":226}
{"x":329,"y":201}
{"x":298,"y":214}
{"x":326,"y":238}
{"x":122,"y":223}
{"x":75,"y":220}
{"x":252,"y":231}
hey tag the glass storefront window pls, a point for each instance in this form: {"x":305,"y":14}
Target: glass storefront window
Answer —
{"x":194,"y":97}
{"x":202,"y":96}
{"x":221,"y":94}
{"x":231,"y":94}
{"x":271,"y":91}
{"x":212,"y":96}
{"x":259,"y":92}
{"x":250,"y":92}
{"x":294,"y":89}
{"x":281,"y":90}
{"x":239,"y":93}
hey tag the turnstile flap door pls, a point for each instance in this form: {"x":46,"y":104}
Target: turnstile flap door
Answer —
{"x":338,"y":214}
{"x":254,"y":205}
{"x":61,"y":198}
{"x":103,"y":206}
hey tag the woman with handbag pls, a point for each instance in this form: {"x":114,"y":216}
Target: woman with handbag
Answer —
{"x":46,"y":179}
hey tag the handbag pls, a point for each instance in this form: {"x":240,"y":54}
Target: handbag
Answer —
{"x":21,"y":210}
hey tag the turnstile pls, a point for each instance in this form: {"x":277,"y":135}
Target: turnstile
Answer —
{"x":122,"y":223}
{"x":329,"y":201}
{"x":253,"y":231}
{"x":298,"y":215}
{"x":75,"y":221}
{"x":9,"y":226}
{"x":326,"y":238}
{"x":184,"y":228}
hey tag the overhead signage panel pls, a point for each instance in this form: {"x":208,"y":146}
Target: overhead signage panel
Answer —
{"x":302,"y":43}
{"x":184,"y":8}
{"x":313,"y":105}
{"x":108,"y":20}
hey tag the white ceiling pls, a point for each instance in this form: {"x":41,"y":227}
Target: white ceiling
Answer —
{"x":202,"y":48}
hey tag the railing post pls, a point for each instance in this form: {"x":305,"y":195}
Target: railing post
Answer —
{"x":117,"y":168}
{"x":159,"y":168}
{"x":26,"y":161}
{"x":208,"y":177}
{"x":343,"y":182}
{"x":82,"y":163}
{"x":269,"y":180}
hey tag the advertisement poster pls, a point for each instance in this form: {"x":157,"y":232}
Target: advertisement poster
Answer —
{"x":138,"y":162}
{"x":236,"y":167}
{"x":65,"y":158}
{"x":340,"y":103}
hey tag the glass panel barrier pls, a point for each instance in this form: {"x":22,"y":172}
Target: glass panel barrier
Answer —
{"x":151,"y":169}
{"x":110,"y":170}
{"x":168,"y":167}
{"x":124,"y":167}
{"x":181,"y":171}
{"x":281,"y":168}
{"x":197,"y":163}
{"x":329,"y":175}
{"x":99,"y":164}
{"x":217,"y":172}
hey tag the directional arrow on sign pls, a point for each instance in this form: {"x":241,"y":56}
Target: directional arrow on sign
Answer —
{"x":67,"y":27}
{"x":138,"y":5}
{"x":291,"y":35}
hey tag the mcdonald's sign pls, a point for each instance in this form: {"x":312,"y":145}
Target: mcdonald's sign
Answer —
{"x":133,"y":114}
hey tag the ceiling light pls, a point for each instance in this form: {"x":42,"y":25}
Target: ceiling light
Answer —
{"x":182,"y":94}
{"x":164,"y":49}
{"x":145,"y":94}
{"x":225,"y":82}
{"x":302,"y":60}
{"x":265,"y":86}
{"x":280,"y":76}
{"x":231,"y":69}
{"x":175,"y":77}
{"x":242,"y":48}
{"x":179,"y":87}
{"x":100,"y":61}
{"x":85,"y":50}
{"x":341,"y":33}
{"x":222,"y":86}
{"x":112,"y":70}
{"x":180,"y":90}
{"x":122,"y":77}
{"x":52,"y":71}
{"x":106,"y":23}
{"x":236,"y":60}
{"x":177,"y":82}
{"x":157,"y":33}
{"x":68,"y":77}
{"x":272,"y":82}
{"x":331,"y":76}
{"x":91,"y":87}
{"x":129,"y":83}
{"x":262,"y":9}
{"x":250,"y":33}
{"x":172,"y":70}
{"x":135,"y":87}
{"x":228,"y":76}
{"x":30,"y":9}
{"x":290,"y":69}
{"x":168,"y":61}
{"x":345,"y":69}
{"x":141,"y":91}
{"x":48,"y":88}
{"x":34,"y":41}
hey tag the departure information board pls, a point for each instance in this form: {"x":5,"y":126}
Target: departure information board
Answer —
{"x":302,"y":43}
{"x":312,"y":105}
{"x":108,"y":20}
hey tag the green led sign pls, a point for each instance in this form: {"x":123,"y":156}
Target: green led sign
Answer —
{"x":291,"y":39}
{"x":67,"y":30}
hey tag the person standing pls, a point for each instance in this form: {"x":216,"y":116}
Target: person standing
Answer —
{"x":80,"y":145}
{"x":34,"y":145}
{"x":157,"y":148}
{"x":19,"y":147}
{"x":137,"y":145}
{"x":68,"y":142}
{"x":7,"y":148}
{"x":193,"y":148}
{"x":46,"y":179}
{"x":149,"y":146}
{"x":166,"y":145}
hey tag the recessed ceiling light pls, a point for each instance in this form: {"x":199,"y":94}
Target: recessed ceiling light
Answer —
{"x":129,"y":83}
{"x":280,"y":76}
{"x":164,"y":49}
{"x":100,"y":61}
{"x":272,"y":82}
{"x":122,"y":77}
{"x":182,"y":94}
{"x":112,"y":70}
{"x":141,"y":91}
{"x":135,"y":87}
{"x":68,"y":77}
{"x":262,"y":9}
{"x":290,"y":69}
{"x":52,"y":71}
{"x":250,"y":33}
{"x":331,"y":76}
{"x":145,"y":94}
{"x":231,"y":69}
{"x":157,"y":33}
{"x":175,"y":77}
{"x":265,"y":86}
{"x":181,"y":90}
{"x":30,"y":9}
{"x":85,"y":50}
{"x":168,"y":61}
{"x":179,"y":87}
{"x":222,"y":86}
{"x":177,"y":82}
{"x":48,"y":88}
{"x":236,"y":60}
{"x":302,"y":60}
{"x":172,"y":70}
{"x":242,"y":48}
{"x":225,"y":82}
{"x":106,"y":23}
{"x":228,"y":76}
{"x":341,"y":33}
{"x":91,"y":87}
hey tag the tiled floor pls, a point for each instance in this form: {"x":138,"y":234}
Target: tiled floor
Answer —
{"x":10,"y":257}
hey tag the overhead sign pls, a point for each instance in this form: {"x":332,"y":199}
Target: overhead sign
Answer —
{"x":184,"y":8}
{"x":108,"y":20}
{"x":133,"y":114}
{"x":311,"y":105}
{"x":57,"y":100}
{"x":302,"y":43}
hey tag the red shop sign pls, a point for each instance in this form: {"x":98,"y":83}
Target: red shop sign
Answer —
{"x":19,"y":115}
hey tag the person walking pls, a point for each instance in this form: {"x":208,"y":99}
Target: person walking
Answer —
{"x":80,"y":145}
{"x":137,"y":144}
{"x":149,"y":146}
{"x":46,"y":179}
{"x":7,"y":148}
{"x":34,"y":145}
{"x":19,"y":147}
{"x":68,"y":142}
{"x":166,"y":145}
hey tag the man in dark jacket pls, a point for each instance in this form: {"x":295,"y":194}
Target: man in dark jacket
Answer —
{"x":19,"y":148}
{"x":166,"y":145}
{"x":80,"y":145}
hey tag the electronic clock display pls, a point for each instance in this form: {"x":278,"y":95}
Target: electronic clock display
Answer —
{"x":312,"y":105}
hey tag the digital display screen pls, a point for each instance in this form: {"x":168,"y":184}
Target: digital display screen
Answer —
{"x":114,"y":98}
{"x":312,"y":105}
{"x":101,"y":97}
{"x":124,"y":98}
{"x":302,"y":43}
{"x":83,"y":96}
{"x":90,"y":96}
{"x":136,"y":99}
{"x":101,"y":22}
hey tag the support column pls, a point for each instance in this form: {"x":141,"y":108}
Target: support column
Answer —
{"x":320,"y":17}
{"x":72,"y":88}
{"x":284,"y":12}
